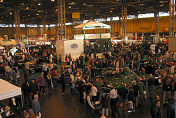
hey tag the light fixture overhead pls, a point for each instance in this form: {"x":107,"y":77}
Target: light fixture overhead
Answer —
{"x":39,"y":4}
{"x":1,"y":0}
{"x":37,"y":14}
{"x":52,"y":0}
{"x":10,"y":13}
{"x":27,"y":8}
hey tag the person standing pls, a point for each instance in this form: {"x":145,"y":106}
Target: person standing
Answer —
{"x":49,"y":81}
{"x":42,"y":83}
{"x":151,"y":81}
{"x":94,"y":93}
{"x":123,"y":91}
{"x":167,"y":88}
{"x":141,"y":91}
{"x":36,"y":105}
{"x":155,"y":111}
{"x":113,"y":101}
{"x":34,"y":88}
{"x":171,"y":111}
{"x":136,"y":93}
{"x":89,"y":106}
{"x":105,"y":103}
{"x":63,"y":82}
{"x":27,"y":93}
{"x":8,"y":71}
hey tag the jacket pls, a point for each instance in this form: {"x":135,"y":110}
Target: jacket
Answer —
{"x":42,"y":81}
{"x":36,"y":106}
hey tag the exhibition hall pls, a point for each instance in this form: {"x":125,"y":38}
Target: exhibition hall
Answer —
{"x":87,"y":59}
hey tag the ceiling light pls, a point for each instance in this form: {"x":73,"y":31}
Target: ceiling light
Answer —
{"x":39,"y":4}
{"x":10,"y":13}
{"x":84,"y":4}
{"x":1,"y":0}
{"x":52,"y":0}
{"x":37,"y":14}
{"x":72,"y":3}
{"x":27,"y":7}
{"x":90,"y":5}
{"x":69,"y":7}
{"x":111,"y":11}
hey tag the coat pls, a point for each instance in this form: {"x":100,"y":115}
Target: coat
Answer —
{"x":42,"y":81}
{"x":156,"y":113}
{"x":36,"y":106}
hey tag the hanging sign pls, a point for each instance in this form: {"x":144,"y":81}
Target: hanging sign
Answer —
{"x":75,"y":15}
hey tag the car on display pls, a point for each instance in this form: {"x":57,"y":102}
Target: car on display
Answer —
{"x":33,"y":68}
{"x":149,"y":66}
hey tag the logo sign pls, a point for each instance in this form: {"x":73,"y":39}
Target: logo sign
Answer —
{"x":74,"y":46}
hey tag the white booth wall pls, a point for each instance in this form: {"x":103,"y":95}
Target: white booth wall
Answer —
{"x":74,"y":47}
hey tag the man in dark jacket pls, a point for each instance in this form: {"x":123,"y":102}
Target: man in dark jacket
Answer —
{"x":123,"y":94}
{"x":171,"y":113}
{"x":150,"y":85}
{"x":33,"y":87}
{"x":27,"y":93}
{"x":155,"y":111}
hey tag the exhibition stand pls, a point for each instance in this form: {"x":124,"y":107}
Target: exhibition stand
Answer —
{"x":98,"y":43}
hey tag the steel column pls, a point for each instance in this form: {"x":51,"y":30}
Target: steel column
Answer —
{"x":17,"y":25}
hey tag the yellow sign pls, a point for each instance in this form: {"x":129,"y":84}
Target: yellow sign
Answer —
{"x":75,"y":14}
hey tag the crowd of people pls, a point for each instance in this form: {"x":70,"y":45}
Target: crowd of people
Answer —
{"x":83,"y":77}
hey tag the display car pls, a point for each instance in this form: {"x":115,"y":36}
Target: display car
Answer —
{"x":150,"y":66}
{"x":34,"y":68}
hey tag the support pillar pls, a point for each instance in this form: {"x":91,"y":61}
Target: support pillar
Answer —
{"x":61,"y":19}
{"x":17,"y":26}
{"x":172,"y":38}
{"x":9,"y":31}
{"x":157,"y":24}
{"x":38,"y":30}
{"x":61,"y":31}
{"x":124,"y":22}
{"x":44,"y":24}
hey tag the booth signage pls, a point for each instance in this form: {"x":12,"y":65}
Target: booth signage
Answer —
{"x":74,"y":46}
{"x":75,"y":15}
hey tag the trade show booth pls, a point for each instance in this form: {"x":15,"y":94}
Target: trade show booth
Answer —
{"x":99,"y":41}
{"x":8,"y":90}
{"x":73,"y":47}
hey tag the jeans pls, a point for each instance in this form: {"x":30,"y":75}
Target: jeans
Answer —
{"x":42,"y":88}
{"x":150,"y":89}
{"x":166,"y":96}
{"x":104,"y":111}
{"x":67,"y":89}
{"x":113,"y":103}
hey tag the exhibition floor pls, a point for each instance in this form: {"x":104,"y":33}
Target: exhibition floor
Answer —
{"x":56,"y":105}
